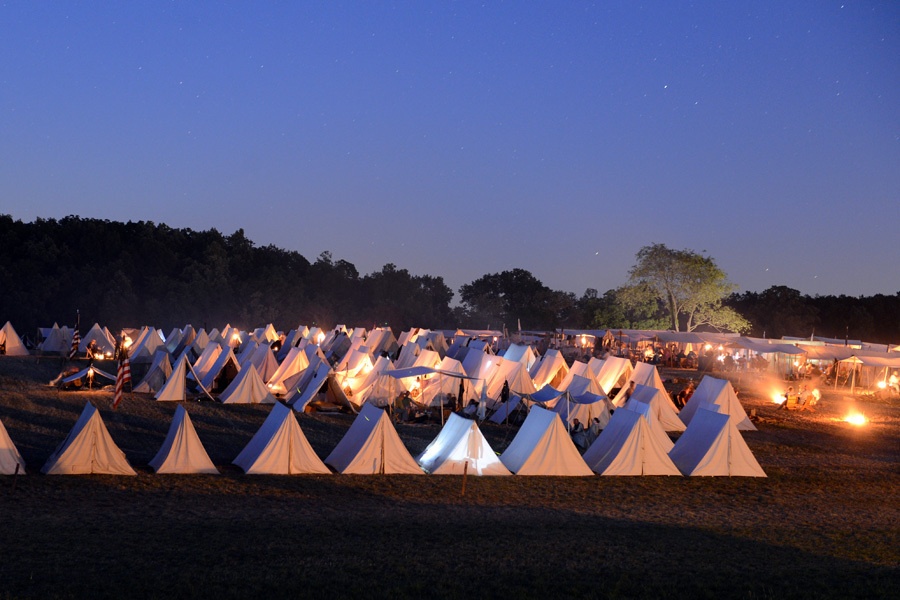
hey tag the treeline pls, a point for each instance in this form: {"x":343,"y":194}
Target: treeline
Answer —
{"x":780,"y":311}
{"x":135,"y":273}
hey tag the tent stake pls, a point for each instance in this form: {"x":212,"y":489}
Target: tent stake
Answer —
{"x":465,"y":476}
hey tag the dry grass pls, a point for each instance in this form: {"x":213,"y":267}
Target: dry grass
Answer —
{"x":824,"y":524}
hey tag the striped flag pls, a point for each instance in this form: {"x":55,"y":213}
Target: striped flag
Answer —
{"x":122,"y":375}
{"x":76,"y":337}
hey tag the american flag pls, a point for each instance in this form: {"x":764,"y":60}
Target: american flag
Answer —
{"x":122,"y":375}
{"x":76,"y":337}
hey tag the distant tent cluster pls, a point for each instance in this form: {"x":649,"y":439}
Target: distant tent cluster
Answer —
{"x":365,"y":371}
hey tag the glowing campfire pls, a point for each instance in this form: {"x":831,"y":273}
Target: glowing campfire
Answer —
{"x":778,"y":397}
{"x":856,"y":418}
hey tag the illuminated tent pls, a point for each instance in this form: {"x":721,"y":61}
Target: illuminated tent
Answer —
{"x":461,"y":446}
{"x":103,"y":341}
{"x":551,"y":369}
{"x":264,"y":360}
{"x":144,"y":348}
{"x":371,"y":446}
{"x":10,"y":339}
{"x":9,"y":455}
{"x":247,"y":388}
{"x":175,"y":389}
{"x":206,"y":360}
{"x":613,"y":372}
{"x":645,"y":374}
{"x":711,"y":446}
{"x":721,"y":393}
{"x":308,"y":385}
{"x":294,"y":362}
{"x":279,"y":447}
{"x":627,"y":446}
{"x":88,"y":449}
{"x":543,"y":447}
{"x":182,"y":451}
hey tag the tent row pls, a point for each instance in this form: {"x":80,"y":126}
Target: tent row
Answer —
{"x":632,"y":443}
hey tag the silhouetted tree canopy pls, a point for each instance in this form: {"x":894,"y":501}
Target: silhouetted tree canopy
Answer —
{"x":137,"y":273}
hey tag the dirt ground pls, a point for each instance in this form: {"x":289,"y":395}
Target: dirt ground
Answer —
{"x":825,"y":523}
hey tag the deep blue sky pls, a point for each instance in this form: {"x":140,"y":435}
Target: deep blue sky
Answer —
{"x":462,"y":138}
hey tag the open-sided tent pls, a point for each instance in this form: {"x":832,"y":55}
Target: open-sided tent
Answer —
{"x":371,"y":446}
{"x":543,"y":447}
{"x":461,"y":447}
{"x":11,"y":341}
{"x":712,"y":445}
{"x":279,"y":447}
{"x":159,"y":372}
{"x":182,"y":452}
{"x":585,"y":408}
{"x":626,"y":446}
{"x":88,"y":449}
{"x":222,"y":372}
{"x":89,"y":373}
{"x":10,"y":460}
{"x":659,"y":406}
{"x":247,"y":388}
{"x":507,"y":410}
{"x":103,"y":342}
{"x":720,"y":392}
{"x":175,"y":389}
{"x":309,"y":384}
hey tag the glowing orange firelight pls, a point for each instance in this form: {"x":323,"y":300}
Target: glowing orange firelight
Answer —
{"x":856,"y":418}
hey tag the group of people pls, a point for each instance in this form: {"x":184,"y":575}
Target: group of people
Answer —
{"x":804,"y":399}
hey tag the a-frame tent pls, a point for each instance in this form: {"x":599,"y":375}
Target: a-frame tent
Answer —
{"x":182,"y":451}
{"x":461,"y":447}
{"x":160,"y":370}
{"x":11,"y":341}
{"x":721,"y":393}
{"x":713,"y":446}
{"x":626,"y":446}
{"x":543,"y":447}
{"x":371,"y":446}
{"x":10,"y":458}
{"x":279,"y":447}
{"x":660,"y":407}
{"x":247,"y":388}
{"x":612,"y":372}
{"x":222,"y":372}
{"x":88,"y":449}
{"x":175,"y":389}
{"x":645,"y":374}
{"x":656,"y":428}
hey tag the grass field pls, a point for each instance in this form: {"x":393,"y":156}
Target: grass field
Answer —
{"x":824,"y":524}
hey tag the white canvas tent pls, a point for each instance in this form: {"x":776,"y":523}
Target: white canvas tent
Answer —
{"x":543,"y":447}
{"x":103,"y":342}
{"x":160,"y":370}
{"x":294,"y":362}
{"x":279,"y":447}
{"x":175,"y":388}
{"x":10,"y":458}
{"x":222,"y":372}
{"x":459,"y":447}
{"x":656,"y":428}
{"x":711,"y":446}
{"x":660,"y":408}
{"x":551,"y":369}
{"x":11,"y":341}
{"x":56,"y":341}
{"x":88,"y":449}
{"x":645,"y":374}
{"x":247,"y":388}
{"x":182,"y":452}
{"x":720,"y":392}
{"x":626,"y":446}
{"x":585,"y":408}
{"x":371,"y":446}
{"x":612,"y":372}
{"x":310,"y":383}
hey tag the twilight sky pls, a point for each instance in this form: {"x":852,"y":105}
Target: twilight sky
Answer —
{"x":463,"y":138}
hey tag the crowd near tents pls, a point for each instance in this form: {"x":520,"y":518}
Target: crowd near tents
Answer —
{"x":464,"y":377}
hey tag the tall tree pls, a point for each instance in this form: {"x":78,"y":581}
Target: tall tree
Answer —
{"x":690,"y":286}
